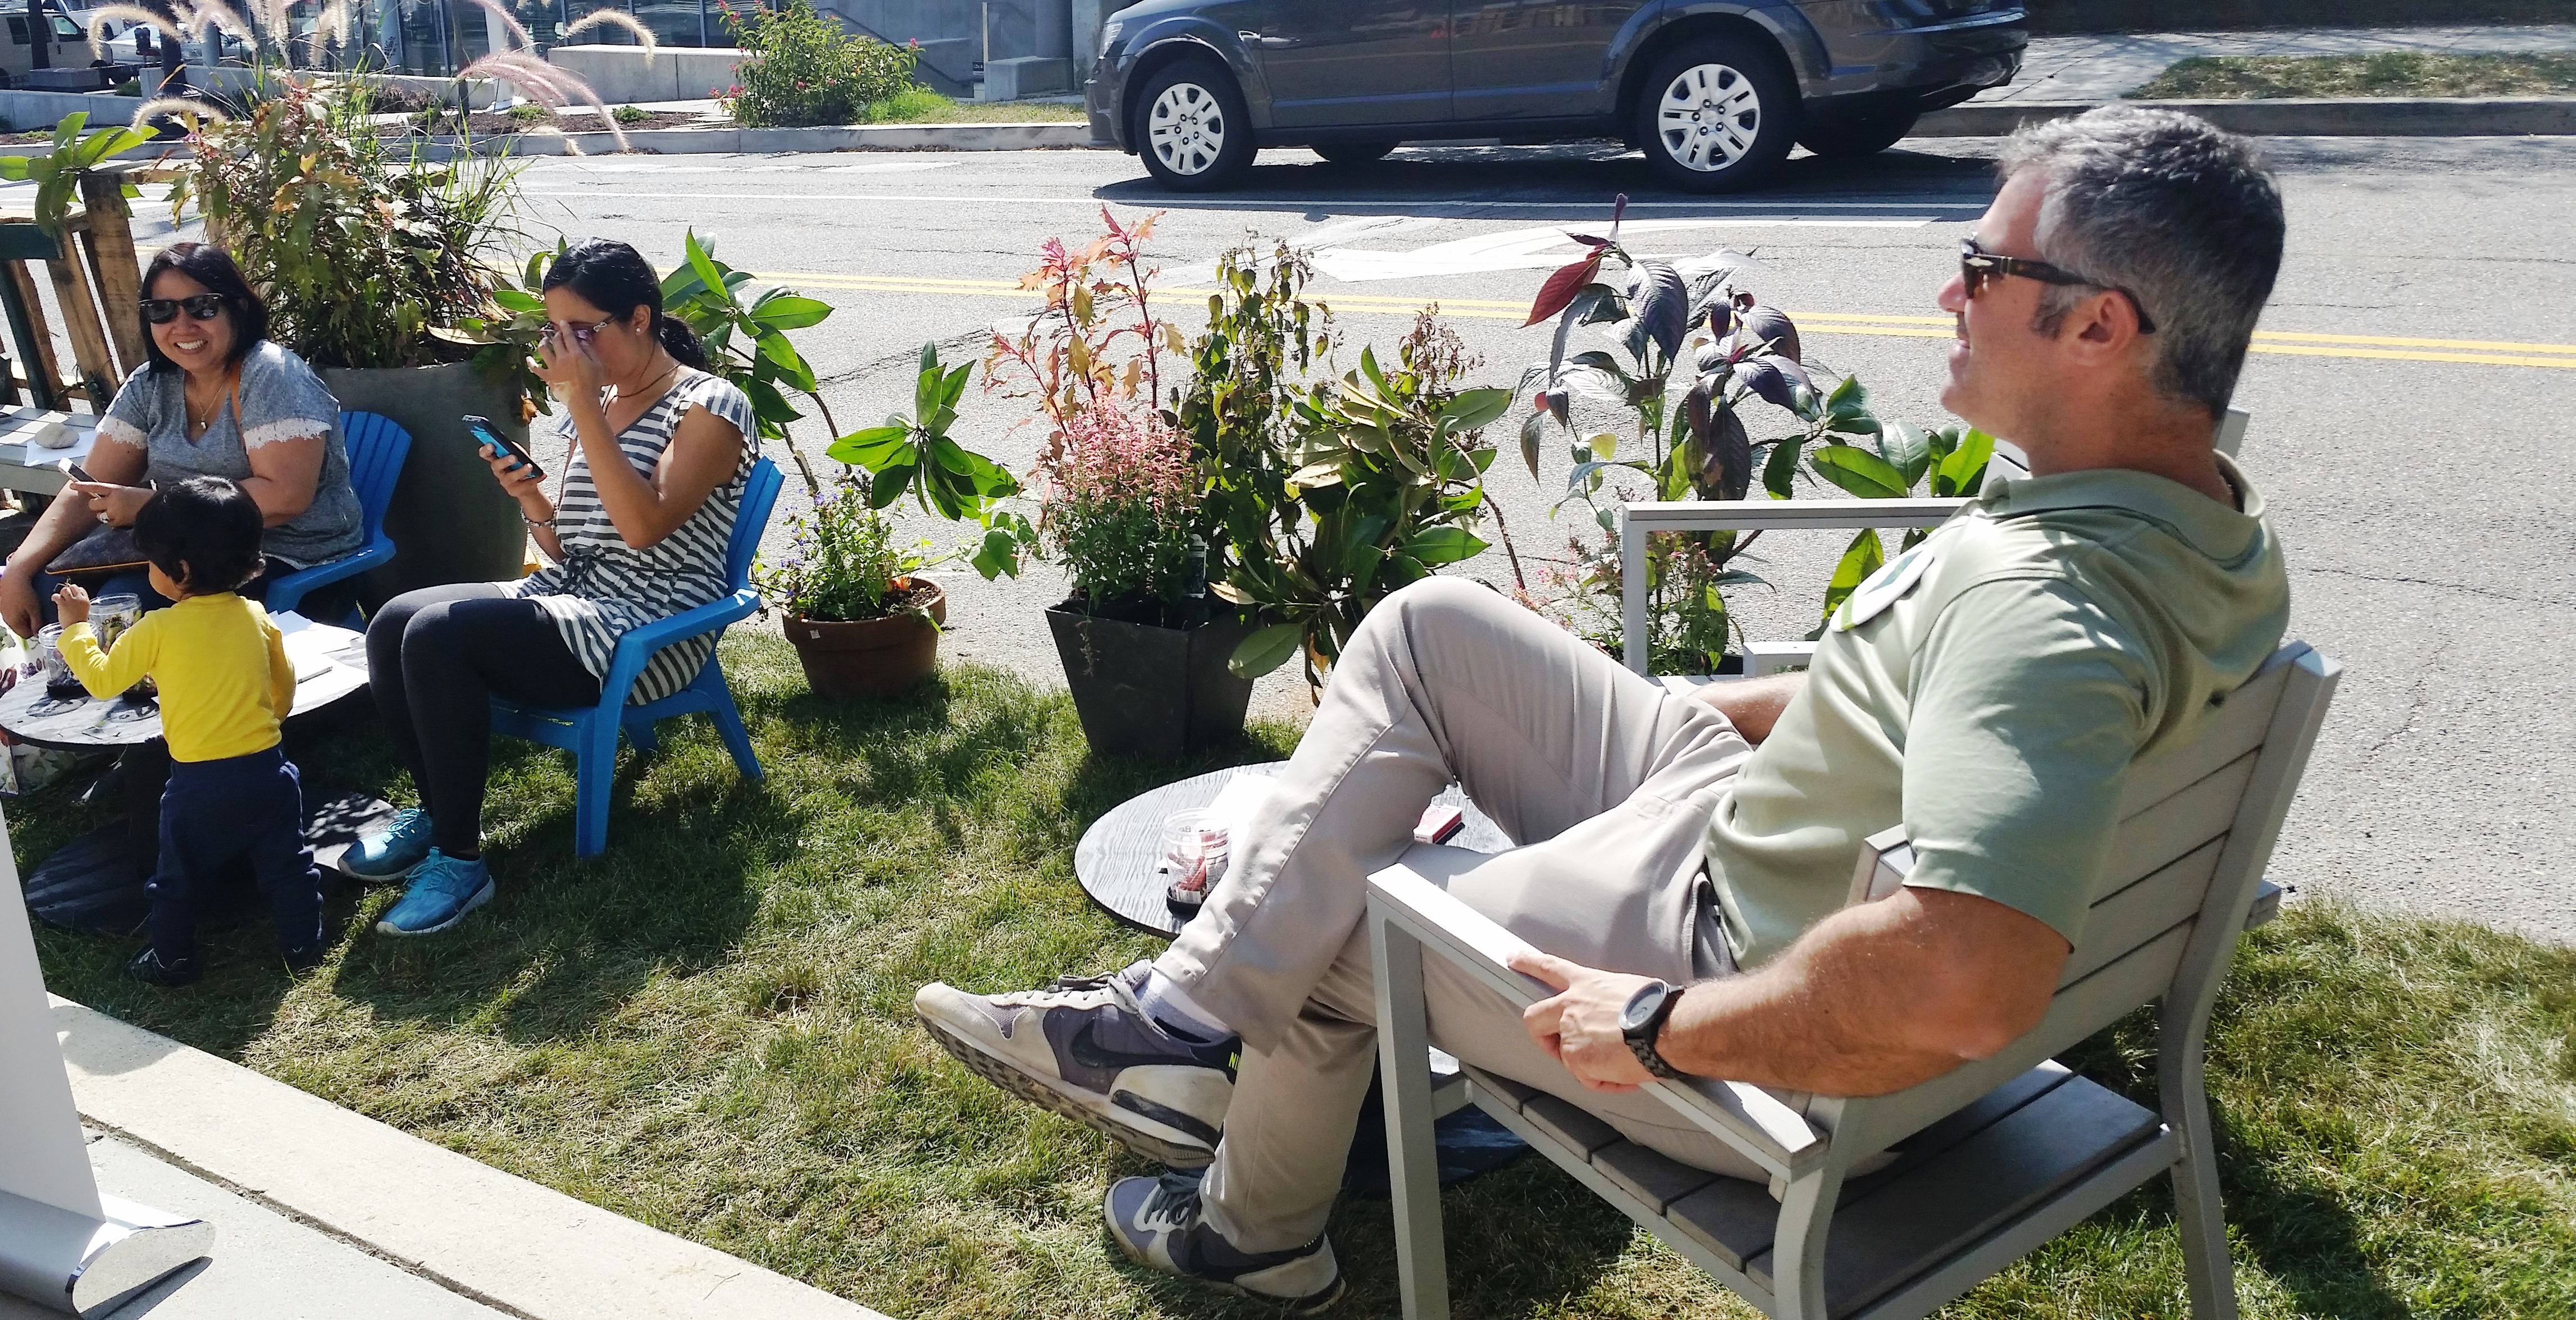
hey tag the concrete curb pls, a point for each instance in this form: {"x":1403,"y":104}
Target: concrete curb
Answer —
{"x":472,"y":1229}
{"x":762,"y":141}
{"x":2496,"y":116}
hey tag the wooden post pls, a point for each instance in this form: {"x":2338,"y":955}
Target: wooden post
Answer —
{"x":35,"y":346}
{"x":98,"y":374}
{"x":114,"y":265}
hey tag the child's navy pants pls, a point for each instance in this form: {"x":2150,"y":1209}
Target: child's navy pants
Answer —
{"x":217,"y":813}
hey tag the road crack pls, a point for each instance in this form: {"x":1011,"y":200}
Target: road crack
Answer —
{"x":2462,"y":587}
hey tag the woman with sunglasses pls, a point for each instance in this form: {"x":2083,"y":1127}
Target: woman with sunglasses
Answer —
{"x":656,"y":454}
{"x":216,"y":398}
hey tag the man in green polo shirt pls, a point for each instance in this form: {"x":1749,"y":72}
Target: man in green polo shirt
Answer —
{"x":1987,"y":690}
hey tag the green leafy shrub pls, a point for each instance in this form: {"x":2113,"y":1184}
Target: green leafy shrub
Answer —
{"x":361,"y":255}
{"x":800,"y":68}
{"x":632,"y":114}
{"x":530,"y":113}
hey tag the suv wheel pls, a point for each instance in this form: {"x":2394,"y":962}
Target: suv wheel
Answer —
{"x":1192,"y":129}
{"x":1353,"y":153}
{"x":1846,"y":139}
{"x":1717,"y":115}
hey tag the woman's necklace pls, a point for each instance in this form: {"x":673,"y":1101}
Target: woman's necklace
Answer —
{"x":645,"y":392}
{"x":201,"y":418}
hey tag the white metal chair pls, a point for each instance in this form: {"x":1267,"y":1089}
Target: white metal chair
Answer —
{"x":1992,"y":1159}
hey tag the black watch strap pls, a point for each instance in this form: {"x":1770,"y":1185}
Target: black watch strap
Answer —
{"x":1641,"y":1041}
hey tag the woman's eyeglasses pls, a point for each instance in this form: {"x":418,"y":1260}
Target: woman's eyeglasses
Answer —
{"x":580,"y":333}
{"x":203,"y":306}
{"x":1978,"y":268}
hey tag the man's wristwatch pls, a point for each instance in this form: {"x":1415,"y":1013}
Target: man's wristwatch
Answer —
{"x":1643,"y":1019}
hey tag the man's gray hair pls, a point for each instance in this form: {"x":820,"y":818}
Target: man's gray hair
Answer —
{"x":2181,"y":215}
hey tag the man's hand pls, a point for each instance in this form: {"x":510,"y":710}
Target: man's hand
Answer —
{"x":115,"y":505}
{"x":1580,"y":1025}
{"x":71,"y":605}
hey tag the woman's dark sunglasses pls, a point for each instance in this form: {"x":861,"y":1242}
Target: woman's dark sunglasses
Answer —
{"x":1978,"y":267}
{"x":203,"y":306}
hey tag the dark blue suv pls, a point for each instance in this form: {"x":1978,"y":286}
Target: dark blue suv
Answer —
{"x":1714,"y":91}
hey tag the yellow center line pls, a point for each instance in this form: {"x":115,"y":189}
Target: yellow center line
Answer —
{"x":2293,"y":343}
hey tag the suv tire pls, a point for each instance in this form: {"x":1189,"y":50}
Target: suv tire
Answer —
{"x":1717,"y":115}
{"x":1353,"y":153}
{"x":1849,"y":139}
{"x":1205,"y":133}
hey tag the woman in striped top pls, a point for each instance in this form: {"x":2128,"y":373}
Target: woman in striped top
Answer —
{"x":656,"y":455}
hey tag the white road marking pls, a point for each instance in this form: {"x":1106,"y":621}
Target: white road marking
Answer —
{"x":1549,"y":246}
{"x":1470,"y":209}
{"x":681,"y":167}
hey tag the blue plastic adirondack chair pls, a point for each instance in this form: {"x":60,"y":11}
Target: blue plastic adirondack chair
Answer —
{"x":377,"y":446}
{"x":590,"y":734}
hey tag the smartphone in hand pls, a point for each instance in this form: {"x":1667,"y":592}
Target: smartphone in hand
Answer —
{"x":75,"y":471}
{"x":490,"y":437}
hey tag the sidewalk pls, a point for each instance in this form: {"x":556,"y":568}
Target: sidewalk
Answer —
{"x":2107,"y":66}
{"x":323,"y":1213}
{"x":265,"y":1267}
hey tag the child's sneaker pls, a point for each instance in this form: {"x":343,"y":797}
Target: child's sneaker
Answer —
{"x":443,"y":889}
{"x":151,"y":968}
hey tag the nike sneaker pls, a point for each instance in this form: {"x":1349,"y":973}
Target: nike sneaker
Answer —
{"x":1156,"y":1223}
{"x":1086,"y":1049}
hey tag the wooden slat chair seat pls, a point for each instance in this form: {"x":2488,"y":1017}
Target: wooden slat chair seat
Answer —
{"x":1993,"y":1158}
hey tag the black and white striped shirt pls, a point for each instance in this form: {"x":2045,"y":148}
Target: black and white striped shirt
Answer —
{"x":603,"y":588}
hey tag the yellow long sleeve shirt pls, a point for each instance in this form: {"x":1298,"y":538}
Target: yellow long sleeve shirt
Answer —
{"x":221,"y":666}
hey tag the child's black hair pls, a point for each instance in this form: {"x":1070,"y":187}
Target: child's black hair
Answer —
{"x":203,"y":532}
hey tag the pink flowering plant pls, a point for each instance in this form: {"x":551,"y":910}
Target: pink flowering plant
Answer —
{"x":1120,"y":492}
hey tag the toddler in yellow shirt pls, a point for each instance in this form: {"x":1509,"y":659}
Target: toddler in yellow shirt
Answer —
{"x":226,"y":684}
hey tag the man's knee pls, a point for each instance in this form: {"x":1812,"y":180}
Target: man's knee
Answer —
{"x":1436,"y":605}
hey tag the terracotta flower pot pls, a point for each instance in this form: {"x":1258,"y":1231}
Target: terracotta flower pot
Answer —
{"x":870,"y":657}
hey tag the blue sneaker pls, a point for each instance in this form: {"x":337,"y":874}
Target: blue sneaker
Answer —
{"x":443,"y":889}
{"x":391,"y":853}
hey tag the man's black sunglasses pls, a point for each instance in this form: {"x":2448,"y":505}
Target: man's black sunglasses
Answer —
{"x":203,"y":306}
{"x":1977,"y":267}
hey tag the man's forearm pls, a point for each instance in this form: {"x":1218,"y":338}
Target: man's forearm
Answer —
{"x":1753,"y":705}
{"x":1873,"y":999}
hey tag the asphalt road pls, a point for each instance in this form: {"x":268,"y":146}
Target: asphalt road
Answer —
{"x":2409,"y":410}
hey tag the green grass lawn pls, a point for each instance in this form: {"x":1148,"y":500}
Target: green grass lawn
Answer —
{"x":921,"y":106}
{"x":709,"y":1029}
{"x":2240,"y":77}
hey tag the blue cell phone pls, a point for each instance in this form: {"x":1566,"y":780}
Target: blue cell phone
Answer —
{"x":490,"y":437}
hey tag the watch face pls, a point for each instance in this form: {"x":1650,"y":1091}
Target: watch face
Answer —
{"x":1642,"y":1005}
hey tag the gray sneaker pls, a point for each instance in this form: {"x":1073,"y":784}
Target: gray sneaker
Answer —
{"x":1084,"y":1048}
{"x":1157,"y":1224}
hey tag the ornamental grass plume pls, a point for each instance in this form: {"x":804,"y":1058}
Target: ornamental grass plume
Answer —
{"x":1119,"y":495}
{"x":617,"y":18}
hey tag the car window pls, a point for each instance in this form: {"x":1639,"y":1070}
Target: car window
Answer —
{"x":17,"y":29}
{"x":65,"y":29}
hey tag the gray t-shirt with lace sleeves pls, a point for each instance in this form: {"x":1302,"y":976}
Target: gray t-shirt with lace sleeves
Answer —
{"x":280,"y":399}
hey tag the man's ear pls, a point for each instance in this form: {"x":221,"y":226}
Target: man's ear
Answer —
{"x":2104,"y":325}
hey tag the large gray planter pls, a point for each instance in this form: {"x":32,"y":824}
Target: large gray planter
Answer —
{"x":451,"y":522}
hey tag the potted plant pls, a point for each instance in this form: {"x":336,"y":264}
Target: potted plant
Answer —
{"x":372,"y":265}
{"x":862,"y":619}
{"x":1143,"y":648}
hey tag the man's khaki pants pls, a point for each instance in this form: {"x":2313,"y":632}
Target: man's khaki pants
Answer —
{"x":1605,"y":779}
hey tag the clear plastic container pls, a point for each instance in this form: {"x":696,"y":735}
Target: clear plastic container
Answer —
{"x":1193,"y":857}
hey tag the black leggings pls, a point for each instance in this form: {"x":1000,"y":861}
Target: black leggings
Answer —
{"x":435,"y":659}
